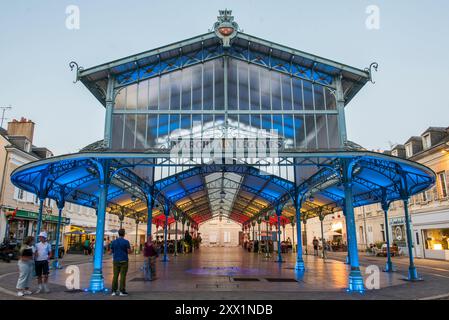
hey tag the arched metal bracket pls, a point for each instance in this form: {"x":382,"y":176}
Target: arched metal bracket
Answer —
{"x":72,"y":65}
{"x":372,"y":66}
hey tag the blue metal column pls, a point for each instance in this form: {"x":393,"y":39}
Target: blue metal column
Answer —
{"x":183,"y":220}
{"x":176,"y":236}
{"x":348,"y":255}
{"x":323,"y":242}
{"x":56,"y":264}
{"x":150,"y":204}
{"x":355,"y":276}
{"x":267,"y":247}
{"x":166,"y":213}
{"x":278,"y":214}
{"x":389,"y":265}
{"x":39,"y":218}
{"x":292,"y":224}
{"x":304,"y":220}
{"x":412,"y":272}
{"x":96,"y":279}
{"x":299,"y":266}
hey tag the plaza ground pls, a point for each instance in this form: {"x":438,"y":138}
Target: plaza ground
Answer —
{"x":233,"y":273}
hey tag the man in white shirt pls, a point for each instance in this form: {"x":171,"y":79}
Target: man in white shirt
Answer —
{"x":42,"y":257}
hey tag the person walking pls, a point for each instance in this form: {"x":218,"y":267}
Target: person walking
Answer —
{"x":150,"y":253}
{"x":86,"y":247}
{"x":42,"y":257}
{"x":26,"y":267}
{"x":315,"y":243}
{"x":120,"y":248}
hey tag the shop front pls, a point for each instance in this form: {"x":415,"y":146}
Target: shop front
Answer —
{"x":23,"y":223}
{"x":432,"y":234}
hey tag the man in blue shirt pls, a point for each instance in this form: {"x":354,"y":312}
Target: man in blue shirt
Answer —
{"x":120,"y":249}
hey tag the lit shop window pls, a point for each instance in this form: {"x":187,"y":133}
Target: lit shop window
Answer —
{"x":437,"y":239}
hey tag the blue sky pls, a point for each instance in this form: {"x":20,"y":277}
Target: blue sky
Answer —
{"x":411,"y":47}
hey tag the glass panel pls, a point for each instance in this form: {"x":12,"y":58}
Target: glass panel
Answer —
{"x":310,"y":139}
{"x":232,"y":85}
{"x":243,"y":86}
{"x":120,"y":100}
{"x":197,"y":93}
{"x":153,"y":93}
{"x":244,"y":126}
{"x":164,"y":93}
{"x":130,"y":129}
{"x":254,"y":85}
{"x":255,"y":121}
{"x":152,"y":130}
{"x":131,"y":97}
{"x":330,"y":100}
{"x":208,"y":83}
{"x":163,"y":128}
{"x":286,"y":92}
{"x":142,"y":97}
{"x":174,"y":124}
{"x":175,"y":94}
{"x":219,"y":84}
{"x":265,"y":89}
{"x":266,"y":123}
{"x":289,"y":132}
{"x":332,"y":124}
{"x":321,"y":128}
{"x":297,"y":94}
{"x":319,"y":97}
{"x":308,"y":95}
{"x":276,"y":90}
{"x":197,"y":124}
{"x":299,"y":131}
{"x":277,"y":125}
{"x":117,"y":131}
{"x":141,"y":131}
{"x":186,"y":98}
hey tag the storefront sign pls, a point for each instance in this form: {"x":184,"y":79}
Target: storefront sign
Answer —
{"x":34,"y":215}
{"x":397,"y":221}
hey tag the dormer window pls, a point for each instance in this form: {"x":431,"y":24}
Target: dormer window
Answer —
{"x":426,"y":141}
{"x":394,"y":152}
{"x":27,"y":146}
{"x":408,"y":150}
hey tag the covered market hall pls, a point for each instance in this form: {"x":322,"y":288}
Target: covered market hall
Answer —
{"x":229,"y":125}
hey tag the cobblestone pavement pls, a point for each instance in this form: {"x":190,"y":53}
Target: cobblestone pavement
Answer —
{"x":232,"y":273}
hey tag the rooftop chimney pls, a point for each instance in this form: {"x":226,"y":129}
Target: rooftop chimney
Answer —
{"x":22,"y":128}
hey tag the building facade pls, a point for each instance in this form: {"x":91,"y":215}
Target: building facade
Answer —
{"x":19,"y":208}
{"x":429,"y":210}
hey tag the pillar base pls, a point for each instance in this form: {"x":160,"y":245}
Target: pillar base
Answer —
{"x":389,"y":268}
{"x":356,"y":282}
{"x":56,"y":265}
{"x":300,"y":266}
{"x":96,"y":281}
{"x":413,"y":275}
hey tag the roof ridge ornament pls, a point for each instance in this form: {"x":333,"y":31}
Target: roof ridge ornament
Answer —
{"x":226,"y":28}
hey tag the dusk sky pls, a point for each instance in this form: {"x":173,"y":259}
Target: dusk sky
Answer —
{"x":411,"y":47}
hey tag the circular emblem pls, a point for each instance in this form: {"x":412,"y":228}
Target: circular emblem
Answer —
{"x":226,"y":28}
